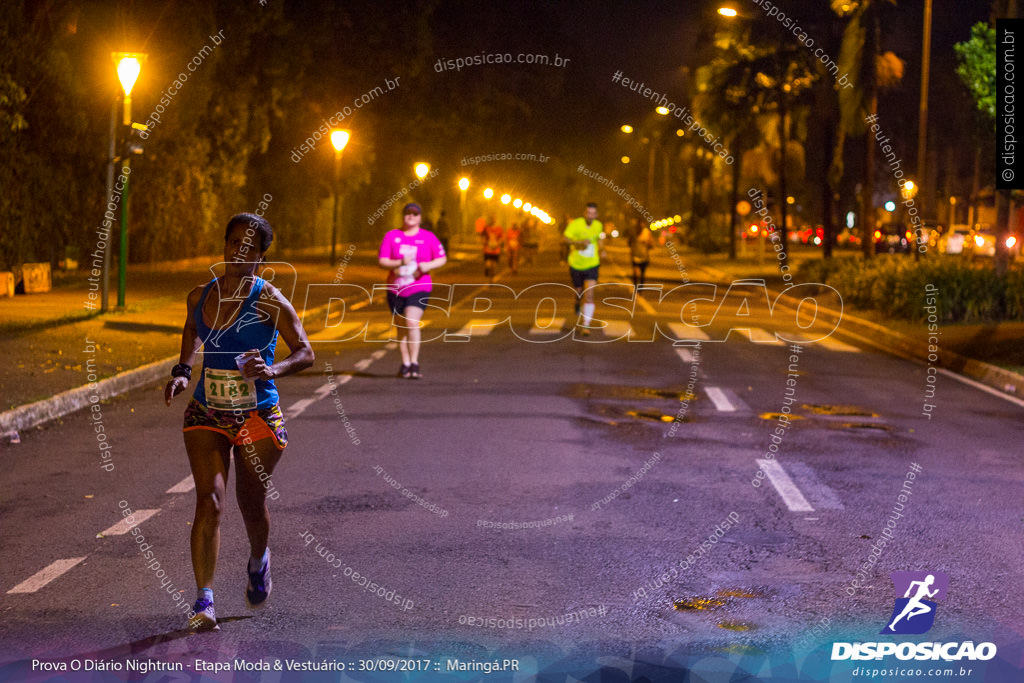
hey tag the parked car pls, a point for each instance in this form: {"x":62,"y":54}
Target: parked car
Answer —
{"x":848,"y":238}
{"x":892,"y":238}
{"x":809,"y":234}
{"x":982,"y":242}
{"x":953,"y":240}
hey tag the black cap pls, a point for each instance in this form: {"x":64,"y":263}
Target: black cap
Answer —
{"x":411,"y":205}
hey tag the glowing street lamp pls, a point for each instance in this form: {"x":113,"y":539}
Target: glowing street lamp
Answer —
{"x":129,"y":66}
{"x":626,"y":128}
{"x":339,"y":138}
{"x":506,"y":198}
{"x":488,"y":193}
{"x":422,"y":169}
{"x":727,"y":11}
{"x":517,"y":202}
{"x":661,"y":110}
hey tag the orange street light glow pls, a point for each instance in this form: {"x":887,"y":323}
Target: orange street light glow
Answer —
{"x":339,"y":138}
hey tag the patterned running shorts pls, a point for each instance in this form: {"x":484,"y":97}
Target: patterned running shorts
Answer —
{"x":243,"y":427}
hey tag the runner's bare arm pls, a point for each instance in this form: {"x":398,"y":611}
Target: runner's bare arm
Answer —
{"x":428,"y":266}
{"x":190,"y":343}
{"x":290,"y":327}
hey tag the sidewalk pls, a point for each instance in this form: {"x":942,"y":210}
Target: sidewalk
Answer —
{"x":53,"y":344}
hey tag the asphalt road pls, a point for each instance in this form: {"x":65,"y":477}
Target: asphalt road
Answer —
{"x":568,"y":503}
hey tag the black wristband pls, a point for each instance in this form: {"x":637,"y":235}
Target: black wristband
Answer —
{"x":182,"y":370}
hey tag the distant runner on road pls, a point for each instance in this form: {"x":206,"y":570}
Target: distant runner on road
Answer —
{"x":409,"y":254}
{"x":236,"y":319}
{"x":583,"y":235}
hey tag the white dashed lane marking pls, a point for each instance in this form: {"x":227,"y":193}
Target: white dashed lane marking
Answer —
{"x":554,"y":326}
{"x":687,"y":333}
{"x":45,"y":576}
{"x":684,"y":354}
{"x":818,"y":494}
{"x":123,"y":527}
{"x":183,"y":486}
{"x":477,"y":327}
{"x":789,"y":492}
{"x":721,"y":401}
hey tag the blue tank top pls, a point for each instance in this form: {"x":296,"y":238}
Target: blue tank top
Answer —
{"x":251,"y":329}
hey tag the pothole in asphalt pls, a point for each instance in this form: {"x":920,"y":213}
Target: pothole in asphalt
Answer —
{"x":623,"y":392}
{"x":614,"y":413}
{"x":697,"y":604}
{"x":721,"y":598}
{"x":826,"y":409}
{"x":736,"y":625}
{"x":865,"y":426}
{"x":776,"y":416}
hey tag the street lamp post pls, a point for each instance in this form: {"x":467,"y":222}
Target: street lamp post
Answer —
{"x":463,"y":186}
{"x":339,"y":138}
{"x":129,"y":65}
{"x":105,"y":301}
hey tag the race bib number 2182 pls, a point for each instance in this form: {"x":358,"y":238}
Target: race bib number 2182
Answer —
{"x":228,"y":390}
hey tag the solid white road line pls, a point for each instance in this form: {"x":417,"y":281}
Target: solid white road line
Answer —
{"x":978,"y":385}
{"x":720,"y":400}
{"x":45,"y":576}
{"x":183,"y":486}
{"x":123,"y":527}
{"x":790,"y":494}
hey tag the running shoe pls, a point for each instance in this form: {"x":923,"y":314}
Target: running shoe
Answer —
{"x":205,"y":619}
{"x":403,"y":371}
{"x":414,"y":371}
{"x":258,"y":589}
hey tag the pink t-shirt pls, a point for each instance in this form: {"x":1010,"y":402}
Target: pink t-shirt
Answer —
{"x":423,"y":246}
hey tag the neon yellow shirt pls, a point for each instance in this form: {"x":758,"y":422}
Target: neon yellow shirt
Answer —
{"x":582,"y":259}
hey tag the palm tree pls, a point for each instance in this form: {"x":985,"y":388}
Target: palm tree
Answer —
{"x":869,"y":70}
{"x":756,"y":96}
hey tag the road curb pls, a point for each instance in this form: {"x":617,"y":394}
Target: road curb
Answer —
{"x":67,"y":402}
{"x":1000,"y":379}
{"x":33,"y":414}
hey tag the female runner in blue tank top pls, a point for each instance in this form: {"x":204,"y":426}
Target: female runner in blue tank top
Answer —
{"x":235,"y":403}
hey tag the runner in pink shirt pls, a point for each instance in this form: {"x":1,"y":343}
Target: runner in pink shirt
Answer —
{"x":409,"y":254}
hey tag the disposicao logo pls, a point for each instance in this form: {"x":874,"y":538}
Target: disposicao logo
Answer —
{"x":917,"y":596}
{"x":914,"y":612}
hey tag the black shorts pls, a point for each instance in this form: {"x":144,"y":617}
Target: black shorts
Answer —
{"x":397,"y":304}
{"x":579,"y":276}
{"x":492,"y":257}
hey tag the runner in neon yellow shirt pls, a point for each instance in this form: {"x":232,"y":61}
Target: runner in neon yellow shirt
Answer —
{"x":584,"y":237}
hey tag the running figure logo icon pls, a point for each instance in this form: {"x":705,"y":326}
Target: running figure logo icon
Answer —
{"x":914,"y":613}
